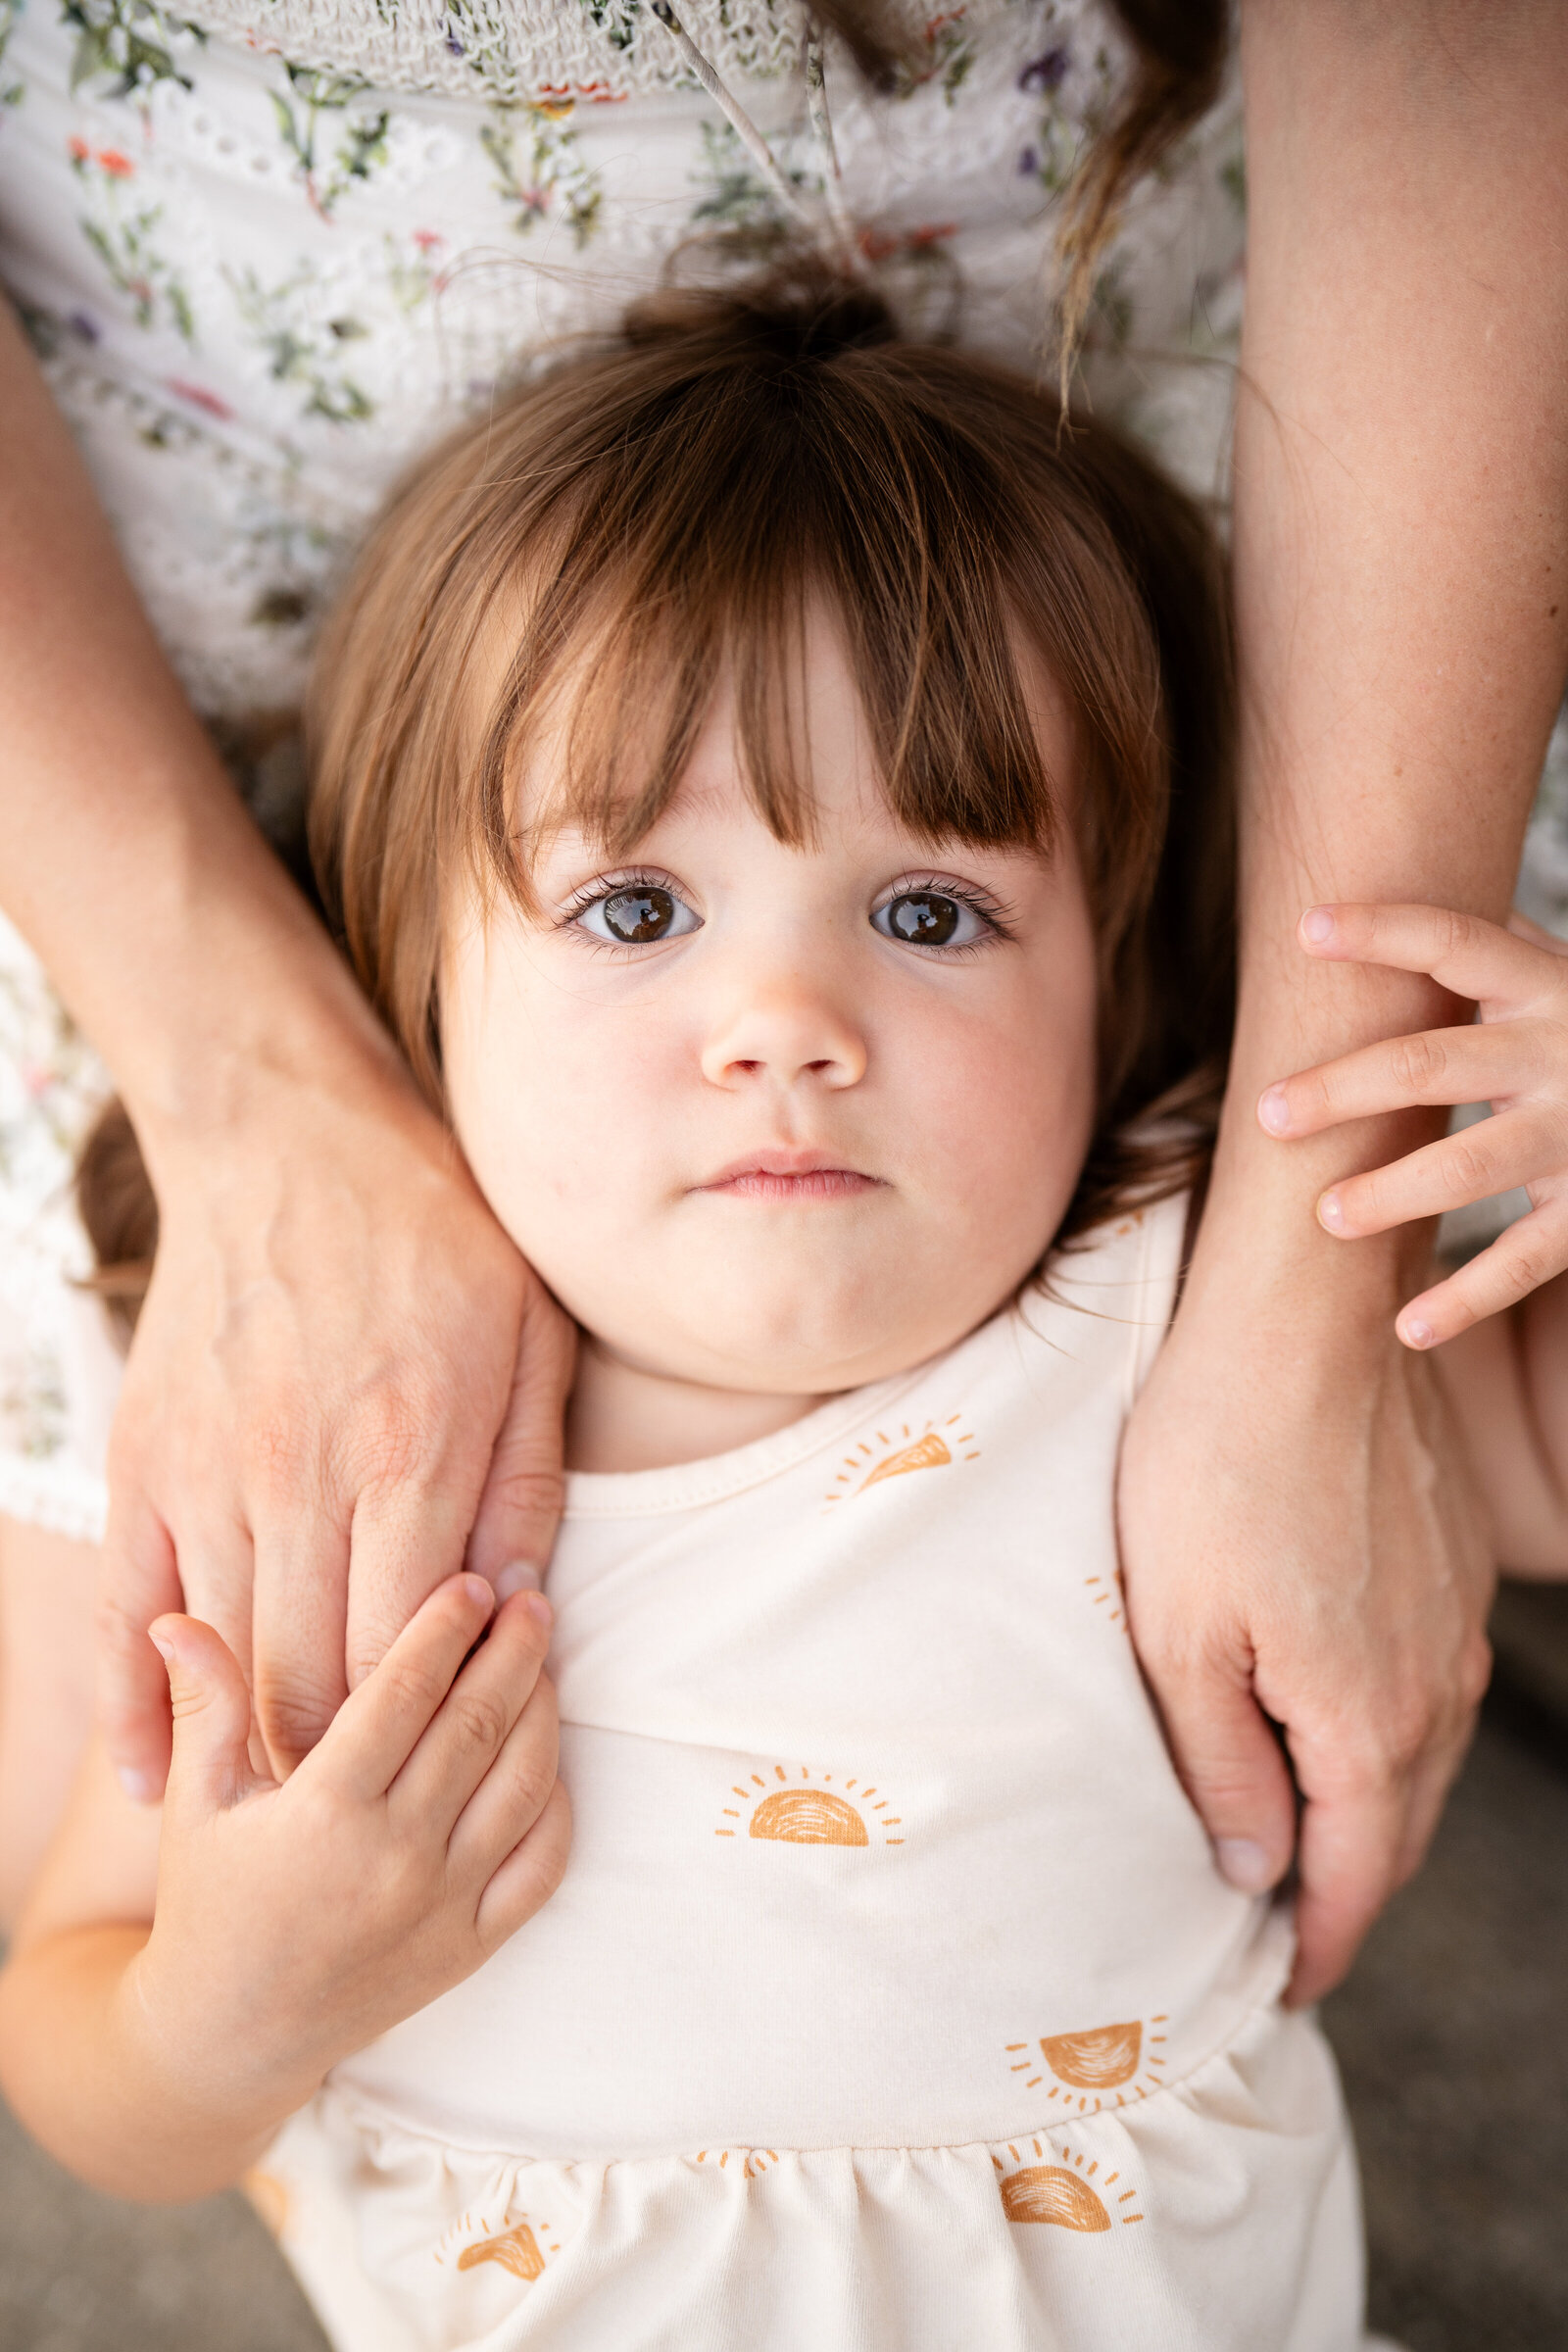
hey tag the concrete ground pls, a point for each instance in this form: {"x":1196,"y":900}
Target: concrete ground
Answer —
{"x":1452,"y":2034}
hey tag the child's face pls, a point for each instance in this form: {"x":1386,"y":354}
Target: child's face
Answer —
{"x":821,"y":1117}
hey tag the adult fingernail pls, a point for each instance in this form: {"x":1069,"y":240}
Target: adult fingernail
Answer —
{"x":517,"y":1575}
{"x":1317,"y":925}
{"x":1416,"y":1334}
{"x":139,"y":1786}
{"x":1274,"y":1110}
{"x":1331,"y":1212}
{"x":1245,"y":1863}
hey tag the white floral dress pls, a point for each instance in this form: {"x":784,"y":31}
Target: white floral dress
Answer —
{"x":267,"y":249}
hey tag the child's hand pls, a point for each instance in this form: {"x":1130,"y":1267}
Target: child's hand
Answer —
{"x":296,"y":1923}
{"x":1515,"y":1057}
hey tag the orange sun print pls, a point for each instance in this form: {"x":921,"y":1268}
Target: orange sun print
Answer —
{"x":900,"y":1451}
{"x":1106,"y":2065}
{"x":1065,"y":2195}
{"x":517,"y":2249}
{"x":795,"y":1809}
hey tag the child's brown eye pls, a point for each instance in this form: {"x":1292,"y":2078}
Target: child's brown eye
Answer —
{"x":638,"y":915}
{"x":928,"y":918}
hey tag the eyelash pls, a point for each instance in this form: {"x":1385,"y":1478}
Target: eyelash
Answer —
{"x":993,"y":912}
{"x":997,"y":917}
{"x":607,"y":886}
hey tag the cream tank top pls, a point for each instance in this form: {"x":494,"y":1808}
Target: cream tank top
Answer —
{"x":891,"y":1998}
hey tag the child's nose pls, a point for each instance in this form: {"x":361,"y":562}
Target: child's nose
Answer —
{"x":786,"y":1031}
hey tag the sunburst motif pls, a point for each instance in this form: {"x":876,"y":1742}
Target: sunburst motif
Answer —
{"x":1108,"y":1593}
{"x":751,"y":2163}
{"x":1100,"y":2059}
{"x":900,"y":1451}
{"x":1060,"y":2188}
{"x":522,"y":2247}
{"x":796,"y":1809}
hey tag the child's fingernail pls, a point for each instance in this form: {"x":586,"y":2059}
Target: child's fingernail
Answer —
{"x":517,"y":1575}
{"x":1330,"y":1214}
{"x":1416,"y":1334}
{"x":139,"y":1786}
{"x":479,"y":1588}
{"x":163,"y":1646}
{"x":1273,"y":1110}
{"x":539,"y":1609}
{"x":1244,"y":1864}
{"x":1317,"y":925}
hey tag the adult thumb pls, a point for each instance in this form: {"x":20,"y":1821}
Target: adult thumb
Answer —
{"x":519,"y":1507}
{"x":210,"y":1767}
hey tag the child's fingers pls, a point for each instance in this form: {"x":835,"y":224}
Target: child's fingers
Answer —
{"x":1474,"y":1064}
{"x":1463,"y":954}
{"x":475,"y":1719}
{"x":1528,"y":1254}
{"x":381,"y":1724}
{"x":1515,"y":1146}
{"x":210,"y":1767}
{"x":529,"y":1875}
{"x":510,"y":1798}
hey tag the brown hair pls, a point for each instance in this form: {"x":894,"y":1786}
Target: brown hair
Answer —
{"x":662,"y":511}
{"x":1178,"y":59}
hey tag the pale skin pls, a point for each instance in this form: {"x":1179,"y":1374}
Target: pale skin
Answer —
{"x":776,"y":1120}
{"x":306,"y":1450}
{"x":1401,"y":538}
{"x":786,"y":1148}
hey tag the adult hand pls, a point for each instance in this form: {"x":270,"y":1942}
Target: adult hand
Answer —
{"x":1301,"y":1549}
{"x":345,"y":1385}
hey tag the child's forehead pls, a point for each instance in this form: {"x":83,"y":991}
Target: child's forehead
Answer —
{"x":823,"y":737}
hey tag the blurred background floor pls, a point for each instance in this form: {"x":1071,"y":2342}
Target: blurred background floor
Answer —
{"x":1452,"y":2034}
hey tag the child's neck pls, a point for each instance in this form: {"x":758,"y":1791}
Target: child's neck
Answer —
{"x":623,"y":1418}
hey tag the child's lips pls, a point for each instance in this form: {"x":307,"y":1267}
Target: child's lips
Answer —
{"x":792,"y":1176}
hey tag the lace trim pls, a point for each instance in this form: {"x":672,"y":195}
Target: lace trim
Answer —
{"x":506,"y":49}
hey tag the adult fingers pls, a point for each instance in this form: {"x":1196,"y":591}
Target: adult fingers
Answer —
{"x":524,"y":1489}
{"x":1512,"y":1148}
{"x":529,"y":1876}
{"x":1524,"y":1255}
{"x":1463,"y":954}
{"x":301,"y":1609}
{"x":513,"y":1794}
{"x":1523,"y":928}
{"x":408,"y":1535}
{"x":465,"y":1737}
{"x":1475,"y":1064}
{"x":1346,"y":1864}
{"x":140,"y":1582}
{"x":382,"y":1723}
{"x":211,"y":1709}
{"x":1355,"y":1849}
{"x":1228,"y":1760}
{"x":1367,"y":1819}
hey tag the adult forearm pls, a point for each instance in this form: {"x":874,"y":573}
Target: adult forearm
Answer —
{"x":89,"y":2075}
{"x":174,"y":936}
{"x":1401,"y":520}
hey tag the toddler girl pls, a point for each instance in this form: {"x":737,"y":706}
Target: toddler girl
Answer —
{"x":773,"y":780}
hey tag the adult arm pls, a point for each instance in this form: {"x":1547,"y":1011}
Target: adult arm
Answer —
{"x":326,"y":1393}
{"x":1401,"y":545}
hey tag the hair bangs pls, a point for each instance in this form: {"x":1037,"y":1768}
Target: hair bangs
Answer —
{"x":699,"y":545}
